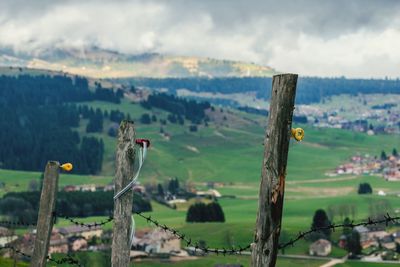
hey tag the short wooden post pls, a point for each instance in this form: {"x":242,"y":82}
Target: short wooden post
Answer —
{"x":124,"y":172}
{"x":45,"y":218}
{"x":272,"y":186}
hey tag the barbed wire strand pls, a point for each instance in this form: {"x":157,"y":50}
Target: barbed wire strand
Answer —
{"x":68,"y":259}
{"x":82,"y":224}
{"x":190,"y":243}
{"x":387,"y":219}
{"x":17,"y":223}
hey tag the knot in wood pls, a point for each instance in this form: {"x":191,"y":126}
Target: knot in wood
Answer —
{"x":131,"y":153}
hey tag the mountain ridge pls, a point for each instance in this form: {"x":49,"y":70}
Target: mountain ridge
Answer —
{"x":95,"y":62}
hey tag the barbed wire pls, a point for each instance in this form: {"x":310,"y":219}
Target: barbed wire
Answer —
{"x":82,"y":224}
{"x":17,"y":223}
{"x":387,"y":219}
{"x":224,"y":251}
{"x":189,"y":242}
{"x":57,"y":215}
{"x":68,"y":259}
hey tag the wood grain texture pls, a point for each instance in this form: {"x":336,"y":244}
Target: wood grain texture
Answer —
{"x":45,"y":218}
{"x":273,"y":173}
{"x":124,"y":172}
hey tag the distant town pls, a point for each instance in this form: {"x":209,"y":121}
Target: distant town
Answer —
{"x":375,"y":119}
{"x":386,"y":166}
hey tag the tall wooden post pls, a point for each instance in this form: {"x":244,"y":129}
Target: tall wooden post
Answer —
{"x":45,"y":218}
{"x":272,"y":186}
{"x":124,"y":171}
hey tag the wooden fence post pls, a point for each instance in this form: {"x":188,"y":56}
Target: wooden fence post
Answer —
{"x":124,"y":172}
{"x":272,"y":186}
{"x":46,"y":217}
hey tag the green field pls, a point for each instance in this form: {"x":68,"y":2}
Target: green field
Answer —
{"x":231,"y":153}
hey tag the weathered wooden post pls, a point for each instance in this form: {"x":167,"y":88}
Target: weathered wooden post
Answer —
{"x":124,"y":171}
{"x":272,"y":186}
{"x":46,"y":217}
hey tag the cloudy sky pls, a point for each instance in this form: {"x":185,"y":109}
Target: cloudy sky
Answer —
{"x":319,"y":38}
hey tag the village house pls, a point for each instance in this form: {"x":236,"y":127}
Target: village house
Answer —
{"x":364,"y":238}
{"x":75,"y":230}
{"x":388,"y":242}
{"x":374,"y":235}
{"x":70,"y":188}
{"x":58,"y":244}
{"x":209,"y":193}
{"x":376,"y":232}
{"x":6,"y":236}
{"x":396,"y":237}
{"x":83,"y":188}
{"x":87,"y":188}
{"x":342,"y":241}
{"x":76,"y":243}
{"x":156,"y":242}
{"x":109,"y":187}
{"x":139,"y":189}
{"x":321,"y":247}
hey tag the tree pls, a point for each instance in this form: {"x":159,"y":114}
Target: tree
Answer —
{"x":95,"y":122}
{"x":394,"y":152}
{"x":347,"y":230}
{"x":145,"y":118}
{"x":364,"y":188}
{"x":160,"y":190}
{"x":353,"y":243}
{"x":193,"y":128}
{"x":383,"y":155}
{"x":200,"y":212}
{"x":215,"y":212}
{"x":320,"y":220}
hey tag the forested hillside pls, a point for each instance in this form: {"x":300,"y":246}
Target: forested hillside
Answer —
{"x":309,"y":90}
{"x":38,"y":116}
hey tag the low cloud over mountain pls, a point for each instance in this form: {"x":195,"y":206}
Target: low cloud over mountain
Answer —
{"x":325,"y":38}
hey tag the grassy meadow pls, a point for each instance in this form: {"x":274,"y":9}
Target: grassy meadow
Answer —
{"x":230,"y":152}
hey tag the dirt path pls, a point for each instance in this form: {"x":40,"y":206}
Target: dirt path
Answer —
{"x":326,"y":180}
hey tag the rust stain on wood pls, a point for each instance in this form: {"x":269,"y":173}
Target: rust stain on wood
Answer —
{"x":279,"y":189}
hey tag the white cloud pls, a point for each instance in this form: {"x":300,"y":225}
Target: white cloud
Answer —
{"x":325,"y":38}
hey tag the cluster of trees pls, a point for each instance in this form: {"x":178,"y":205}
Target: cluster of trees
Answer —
{"x":384,"y":155}
{"x":379,"y":208}
{"x":384,"y":106}
{"x":173,"y":186}
{"x":200,"y":212}
{"x":147,"y":119}
{"x":107,"y":94}
{"x":24,"y":206}
{"x":96,"y":117}
{"x":95,"y":121}
{"x":189,"y":109}
{"x":364,"y":188}
{"x":309,"y":89}
{"x":342,"y":211}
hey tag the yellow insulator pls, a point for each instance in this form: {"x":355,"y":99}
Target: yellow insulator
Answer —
{"x":298,"y":134}
{"x":66,"y":167}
